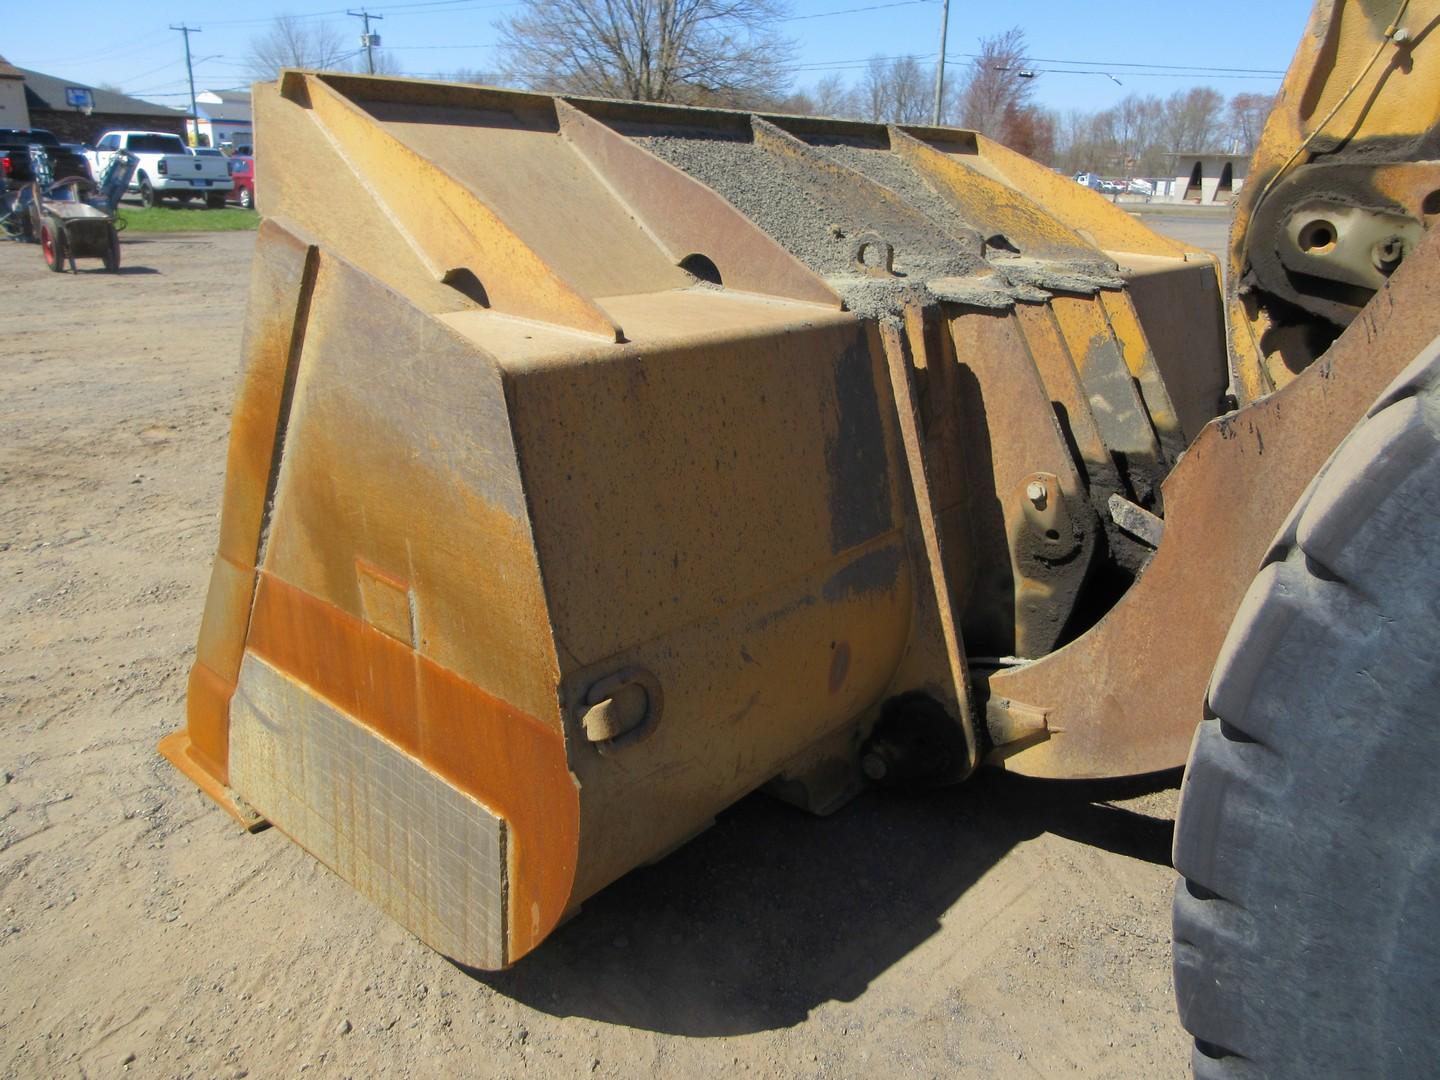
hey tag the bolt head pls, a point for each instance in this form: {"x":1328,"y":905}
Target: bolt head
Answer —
{"x":1388,"y":254}
{"x":1035,"y":491}
{"x":874,"y":766}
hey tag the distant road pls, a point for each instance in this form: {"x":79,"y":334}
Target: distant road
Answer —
{"x":1207,"y":231}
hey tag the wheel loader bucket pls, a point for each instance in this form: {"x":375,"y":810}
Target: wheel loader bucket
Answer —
{"x":595,"y":464}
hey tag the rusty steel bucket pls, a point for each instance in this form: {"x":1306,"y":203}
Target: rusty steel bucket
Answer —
{"x":595,"y":464}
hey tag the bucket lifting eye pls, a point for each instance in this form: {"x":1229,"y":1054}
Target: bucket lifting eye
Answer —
{"x":1317,"y":237}
{"x":621,"y":709}
{"x":874,"y":255}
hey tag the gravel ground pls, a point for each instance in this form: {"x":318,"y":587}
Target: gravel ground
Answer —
{"x":820,"y":217}
{"x":1006,"y":928}
{"x":804,"y":193}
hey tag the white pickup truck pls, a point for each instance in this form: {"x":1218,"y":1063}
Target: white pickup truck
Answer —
{"x":167,"y":168}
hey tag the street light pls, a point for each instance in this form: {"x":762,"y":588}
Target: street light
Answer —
{"x":1027,"y":73}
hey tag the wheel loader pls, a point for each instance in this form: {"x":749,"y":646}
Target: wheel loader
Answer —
{"x":596,"y":463}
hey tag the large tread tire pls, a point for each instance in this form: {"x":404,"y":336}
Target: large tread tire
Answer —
{"x":1307,"y":926}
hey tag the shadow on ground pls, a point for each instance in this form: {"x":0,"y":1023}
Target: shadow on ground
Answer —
{"x":773,"y":912}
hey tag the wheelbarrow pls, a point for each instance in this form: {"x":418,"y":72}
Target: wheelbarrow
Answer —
{"x":75,"y":217}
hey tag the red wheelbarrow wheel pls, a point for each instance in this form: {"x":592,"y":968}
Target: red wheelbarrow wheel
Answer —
{"x":52,"y":245}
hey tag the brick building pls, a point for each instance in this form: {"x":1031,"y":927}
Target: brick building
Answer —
{"x":46,"y":102}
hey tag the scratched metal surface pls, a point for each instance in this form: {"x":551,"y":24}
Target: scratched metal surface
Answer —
{"x":428,"y":855}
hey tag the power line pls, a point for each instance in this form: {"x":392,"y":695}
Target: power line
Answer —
{"x":449,"y":76}
{"x":1147,"y":74}
{"x":151,"y":71}
{"x":158,"y":87}
{"x":1168,"y":67}
{"x":436,"y":5}
{"x":441,"y":7}
{"x":156,"y":93}
{"x":185,"y":93}
{"x":860,"y":62}
{"x":1198,"y":68}
{"x":424,"y":7}
{"x":853,"y":10}
{"x":1179,"y":72}
{"x":417,"y":48}
{"x":865,"y":61}
{"x":99,"y":54}
{"x":297,"y":16}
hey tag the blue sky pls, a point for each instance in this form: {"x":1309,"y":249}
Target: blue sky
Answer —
{"x":1078,"y":44}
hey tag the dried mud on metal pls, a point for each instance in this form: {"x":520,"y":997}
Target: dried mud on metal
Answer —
{"x":1003,"y":929}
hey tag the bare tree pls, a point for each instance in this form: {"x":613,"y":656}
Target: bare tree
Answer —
{"x":912,"y":91}
{"x":874,"y":96}
{"x":833,"y":97}
{"x":1072,"y":141}
{"x":995,"y":98}
{"x":1141,"y":134}
{"x":994,"y":83}
{"x":292,"y":42}
{"x":1030,"y":131}
{"x":1192,"y":120}
{"x":797,"y":103}
{"x":1247,"y":119}
{"x":1152,"y":156}
{"x":895,"y":90}
{"x":470,"y":75}
{"x":690,"y":51}
{"x":1136,"y":126}
{"x":386,"y":63}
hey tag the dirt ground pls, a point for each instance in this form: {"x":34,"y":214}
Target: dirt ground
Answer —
{"x":1007,"y":928}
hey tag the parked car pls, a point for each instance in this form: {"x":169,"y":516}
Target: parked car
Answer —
{"x":242,"y":174}
{"x":65,"y":159}
{"x":1141,"y":187}
{"x":1088,"y":179}
{"x":167,"y":168}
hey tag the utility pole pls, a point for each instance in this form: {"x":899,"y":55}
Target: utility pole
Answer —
{"x":190,"y":73}
{"x":940,"y":64}
{"x":368,"y":39}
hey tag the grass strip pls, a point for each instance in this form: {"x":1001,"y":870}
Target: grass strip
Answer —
{"x":194,"y":218}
